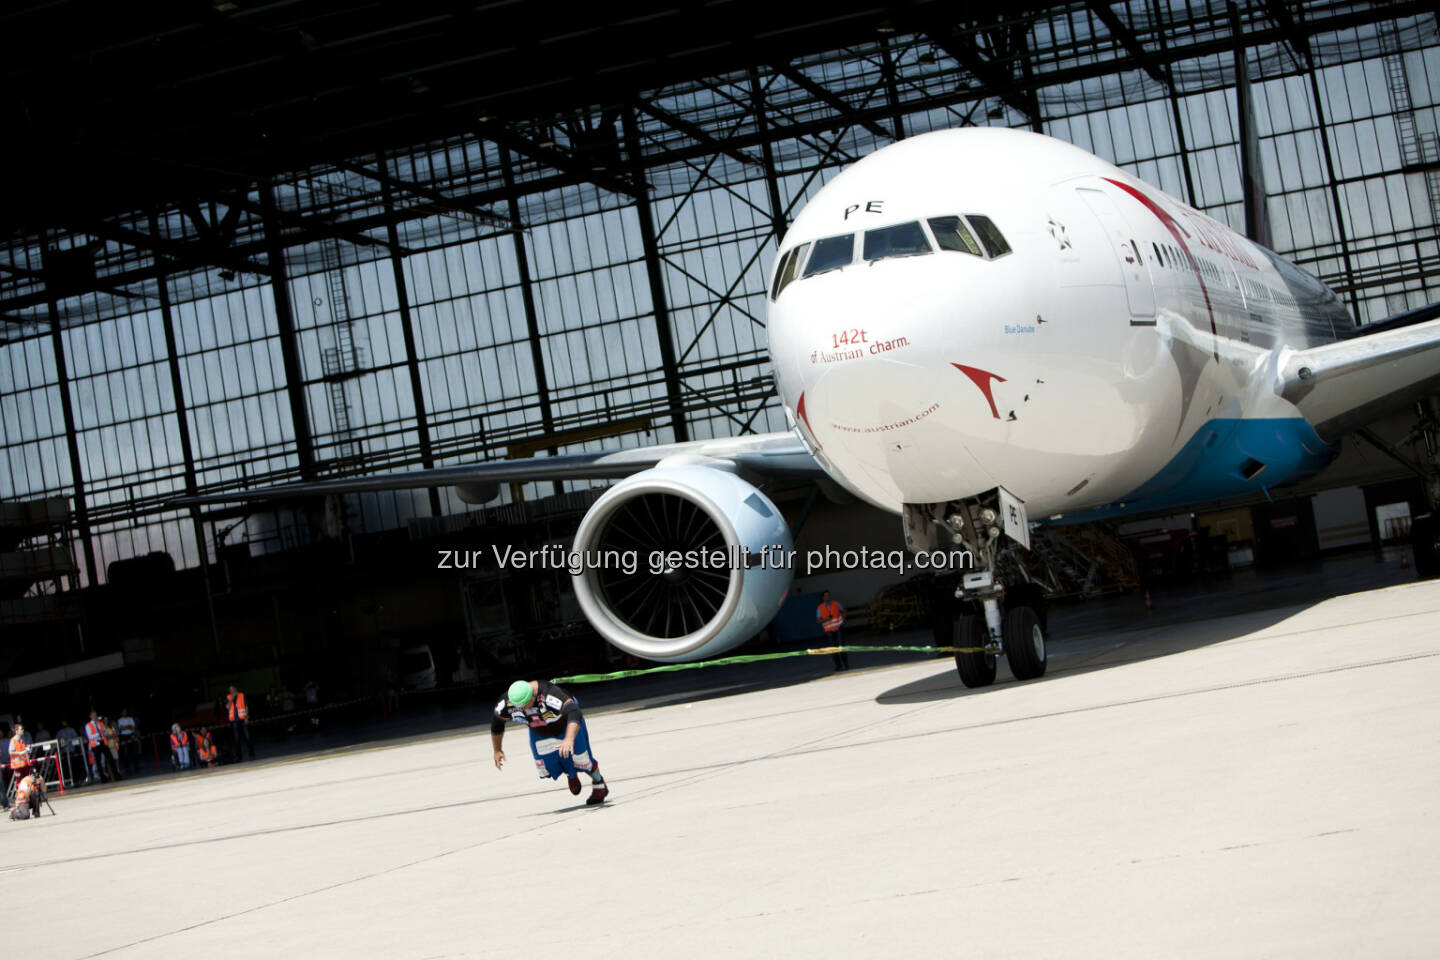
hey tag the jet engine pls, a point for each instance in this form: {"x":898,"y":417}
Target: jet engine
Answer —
{"x":682,"y":562}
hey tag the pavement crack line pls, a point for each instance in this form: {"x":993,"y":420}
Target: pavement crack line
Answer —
{"x":822,"y":744}
{"x":814,"y":745}
{"x":1072,"y":663}
{"x":705,"y":773}
{"x":336,"y":885}
{"x":292,"y":828}
{"x":1134,"y":701}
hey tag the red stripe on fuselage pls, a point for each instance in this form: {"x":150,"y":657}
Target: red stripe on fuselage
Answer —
{"x":982,"y":379}
{"x":800,"y":412}
{"x":1178,"y":232}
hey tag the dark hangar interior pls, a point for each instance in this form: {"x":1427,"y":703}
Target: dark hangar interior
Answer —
{"x":252,"y":243}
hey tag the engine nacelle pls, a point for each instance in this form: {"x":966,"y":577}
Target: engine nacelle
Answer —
{"x":688,"y":527}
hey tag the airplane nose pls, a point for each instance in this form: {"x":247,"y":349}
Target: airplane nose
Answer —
{"x":870,"y":377}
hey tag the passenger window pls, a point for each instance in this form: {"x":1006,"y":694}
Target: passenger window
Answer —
{"x":952,"y":234}
{"x":1158,"y":259}
{"x":831,"y":253}
{"x":901,"y":240}
{"x":990,"y":235}
{"x":789,"y":268}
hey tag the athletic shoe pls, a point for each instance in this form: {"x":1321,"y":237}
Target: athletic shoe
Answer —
{"x":598,"y":795}
{"x":574,"y":785}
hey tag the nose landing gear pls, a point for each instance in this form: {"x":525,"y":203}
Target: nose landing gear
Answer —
{"x":1024,"y":640}
{"x":976,"y":668}
{"x":985,"y":617}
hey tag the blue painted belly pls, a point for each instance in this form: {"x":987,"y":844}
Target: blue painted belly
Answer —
{"x":1224,"y":459}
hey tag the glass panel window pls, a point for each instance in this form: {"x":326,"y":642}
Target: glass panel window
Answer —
{"x":901,"y":240}
{"x":780,"y":268}
{"x":831,"y":253}
{"x":952,"y":234}
{"x":990,"y":235}
{"x":789,"y":268}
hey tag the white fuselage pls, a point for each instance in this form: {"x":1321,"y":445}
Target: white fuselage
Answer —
{"x":1069,"y":370}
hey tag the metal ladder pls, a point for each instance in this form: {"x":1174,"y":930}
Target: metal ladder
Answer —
{"x":1080,"y":561}
{"x":341,"y":362}
{"x":1416,"y":149}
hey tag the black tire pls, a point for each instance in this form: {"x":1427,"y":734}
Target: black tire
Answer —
{"x":976,"y":669}
{"x":1024,"y":642}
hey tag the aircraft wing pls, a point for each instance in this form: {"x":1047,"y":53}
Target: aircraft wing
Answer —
{"x":766,"y":454}
{"x":1345,"y":385}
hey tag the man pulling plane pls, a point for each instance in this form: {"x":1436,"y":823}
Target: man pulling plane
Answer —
{"x":559,"y":740}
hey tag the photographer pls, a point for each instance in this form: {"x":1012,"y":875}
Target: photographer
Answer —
{"x":29,"y":793}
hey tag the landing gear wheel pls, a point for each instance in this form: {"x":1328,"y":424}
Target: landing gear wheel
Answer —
{"x":976,"y":669}
{"x":1024,"y":642}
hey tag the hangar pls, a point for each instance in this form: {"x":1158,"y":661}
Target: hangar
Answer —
{"x":257,"y":244}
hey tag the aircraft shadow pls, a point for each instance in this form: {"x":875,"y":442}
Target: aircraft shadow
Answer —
{"x":1100,"y":651}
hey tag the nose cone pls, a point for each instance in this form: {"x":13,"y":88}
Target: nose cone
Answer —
{"x":864,"y":361}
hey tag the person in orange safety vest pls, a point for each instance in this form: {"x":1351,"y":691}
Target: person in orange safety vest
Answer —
{"x":830,"y":615}
{"x":29,"y":792}
{"x":239,"y":716}
{"x":205,"y":747}
{"x":16,"y":762}
{"x":102,"y":765}
{"x":180,"y":747}
{"x":19,"y":753}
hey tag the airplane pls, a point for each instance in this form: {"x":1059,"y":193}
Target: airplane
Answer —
{"x":980,"y":330}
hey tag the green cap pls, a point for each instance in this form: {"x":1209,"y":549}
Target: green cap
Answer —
{"x":520,"y":693}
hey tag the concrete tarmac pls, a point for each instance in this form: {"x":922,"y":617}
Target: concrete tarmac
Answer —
{"x":1261,"y":784}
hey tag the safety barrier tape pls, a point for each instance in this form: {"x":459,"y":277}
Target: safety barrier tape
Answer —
{"x":755,"y":658}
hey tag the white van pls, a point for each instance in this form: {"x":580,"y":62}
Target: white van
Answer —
{"x":417,"y":668}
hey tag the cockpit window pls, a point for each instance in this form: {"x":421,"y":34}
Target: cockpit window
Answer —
{"x":789,"y":268}
{"x":952,"y":234}
{"x":901,"y":240}
{"x":990,"y":235}
{"x":831,"y":254}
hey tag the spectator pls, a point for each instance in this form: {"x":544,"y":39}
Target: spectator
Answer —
{"x":41,"y":734}
{"x":272,"y":701}
{"x":287,"y":709}
{"x":205,"y":747}
{"x":129,"y":734}
{"x":101,"y":766}
{"x":4,"y":767}
{"x":112,"y":742}
{"x":19,"y":753}
{"x":312,"y":701}
{"x":392,"y":691}
{"x":179,"y":747}
{"x":831,"y":617}
{"x":239,"y":717}
{"x":69,"y":750}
